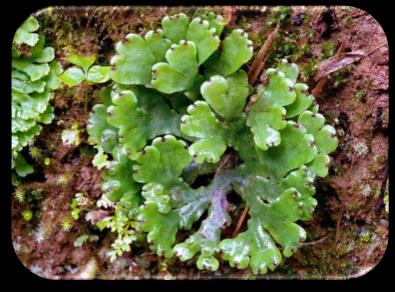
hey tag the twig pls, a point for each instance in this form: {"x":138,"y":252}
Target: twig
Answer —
{"x":318,"y":241}
{"x":223,"y":163}
{"x":380,"y":200}
{"x":342,"y":60}
{"x":259,"y":62}
{"x":324,"y":80}
{"x":367,"y":53}
{"x":320,"y":85}
{"x":240,"y":221}
{"x":260,"y":59}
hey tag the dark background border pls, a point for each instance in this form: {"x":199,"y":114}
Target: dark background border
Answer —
{"x":18,"y":277}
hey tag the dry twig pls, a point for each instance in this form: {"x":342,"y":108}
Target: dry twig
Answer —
{"x":318,"y":241}
{"x":341,"y":60}
{"x":261,"y":57}
{"x":323,"y":81}
{"x":224,"y":162}
{"x":240,"y":222}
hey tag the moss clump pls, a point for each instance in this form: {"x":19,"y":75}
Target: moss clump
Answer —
{"x":328,"y":49}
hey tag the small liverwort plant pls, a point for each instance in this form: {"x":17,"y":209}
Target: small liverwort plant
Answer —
{"x":34,"y":78}
{"x":179,"y":109}
{"x":84,"y":70}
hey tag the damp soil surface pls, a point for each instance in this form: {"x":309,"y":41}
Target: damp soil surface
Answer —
{"x":348,"y":233}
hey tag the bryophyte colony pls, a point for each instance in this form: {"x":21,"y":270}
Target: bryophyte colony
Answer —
{"x":34,"y":78}
{"x":179,"y":105}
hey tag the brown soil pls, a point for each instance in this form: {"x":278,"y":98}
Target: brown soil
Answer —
{"x":346,"y":236}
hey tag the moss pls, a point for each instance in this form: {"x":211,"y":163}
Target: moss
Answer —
{"x":65,"y":178}
{"x":309,"y":69}
{"x":36,"y":194}
{"x":243,"y":23}
{"x":365,"y":235}
{"x":361,"y":95}
{"x":20,"y":195}
{"x":35,"y":153}
{"x":67,"y":223}
{"x":279,"y":14}
{"x":328,"y":49}
{"x":293,"y":46}
{"x":87,"y":151}
{"x":338,"y":78}
{"x":347,"y":16}
{"x":257,"y":38}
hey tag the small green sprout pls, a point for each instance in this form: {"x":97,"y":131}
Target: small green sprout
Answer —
{"x":303,"y":51}
{"x":79,"y":203}
{"x":290,"y":46}
{"x":27,"y":215}
{"x":75,"y":211}
{"x":83,"y":70}
{"x":47,"y":161}
{"x":124,"y":228}
{"x":309,"y":34}
{"x":121,"y":245}
{"x":81,"y":240}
